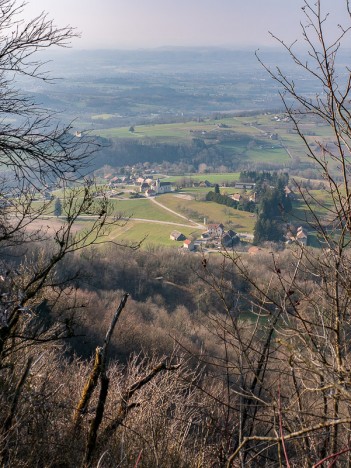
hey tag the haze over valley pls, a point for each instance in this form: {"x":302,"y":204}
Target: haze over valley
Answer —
{"x":106,"y":88}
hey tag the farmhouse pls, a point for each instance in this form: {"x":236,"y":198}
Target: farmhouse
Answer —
{"x":289,"y":193}
{"x":205,"y":183}
{"x":231,"y":233}
{"x":215,"y":230}
{"x":301,"y":236}
{"x":228,"y":241}
{"x":176,"y":236}
{"x":188,"y":244}
{"x":230,"y":238}
{"x":236,"y":197}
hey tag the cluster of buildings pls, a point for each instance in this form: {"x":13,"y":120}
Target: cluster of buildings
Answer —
{"x":180,"y":237}
{"x":215,"y":235}
{"x":300,"y":236}
{"x":238,"y":197}
{"x":149,"y":186}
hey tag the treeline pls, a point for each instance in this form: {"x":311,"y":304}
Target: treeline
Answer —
{"x":197,"y":151}
{"x":272,"y":203}
{"x":122,"y":152}
{"x":254,"y":176}
{"x":262,"y":178}
{"x":228,"y":360}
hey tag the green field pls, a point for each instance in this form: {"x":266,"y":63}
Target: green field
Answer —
{"x":149,"y":234}
{"x":102,"y":117}
{"x":158,"y":234}
{"x":246,"y":137}
{"x":199,"y":193}
{"x":196,"y":210}
{"x":190,"y":203}
{"x":215,"y":178}
{"x":241,"y":221}
{"x":268,"y":155}
{"x":180,"y":131}
{"x":256,"y":139}
{"x":148,"y":222}
{"x":144,"y":209}
{"x":320,"y":203}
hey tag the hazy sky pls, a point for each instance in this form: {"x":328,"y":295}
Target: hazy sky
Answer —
{"x":157,"y":23}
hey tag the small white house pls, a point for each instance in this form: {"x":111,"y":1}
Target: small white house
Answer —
{"x":188,"y":244}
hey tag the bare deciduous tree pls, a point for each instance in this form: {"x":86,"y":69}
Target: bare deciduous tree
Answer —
{"x":34,"y":147}
{"x":37,"y":154}
{"x":287,"y":371}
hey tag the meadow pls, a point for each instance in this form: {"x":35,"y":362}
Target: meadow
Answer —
{"x":265,"y":138}
{"x":210,"y":212}
{"x":143,"y":208}
{"x":150,"y":234}
{"x":143,"y":220}
{"x":143,"y":211}
{"x":318,"y":205}
{"x":217,"y":178}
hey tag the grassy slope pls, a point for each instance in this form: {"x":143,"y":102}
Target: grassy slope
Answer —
{"x":151,"y":234}
{"x":145,"y":209}
{"x":266,"y":150}
{"x":246,"y":137}
{"x":213,"y":212}
{"x":321,"y":204}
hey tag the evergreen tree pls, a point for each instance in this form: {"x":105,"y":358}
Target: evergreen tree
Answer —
{"x":58,"y":207}
{"x":269,"y":220}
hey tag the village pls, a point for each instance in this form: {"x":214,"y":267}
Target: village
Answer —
{"x":214,"y":236}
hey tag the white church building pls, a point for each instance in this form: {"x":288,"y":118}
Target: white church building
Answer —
{"x":161,"y":187}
